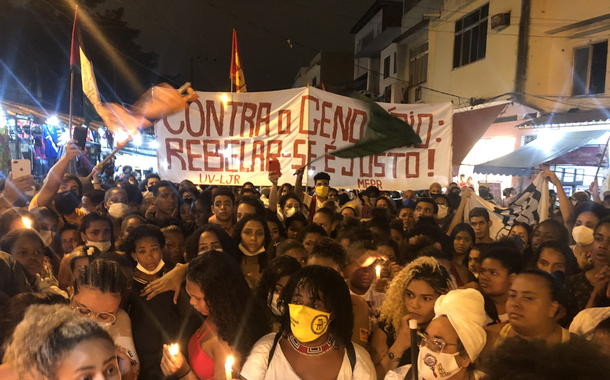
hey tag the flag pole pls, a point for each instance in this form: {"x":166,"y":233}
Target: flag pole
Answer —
{"x":72,"y":73}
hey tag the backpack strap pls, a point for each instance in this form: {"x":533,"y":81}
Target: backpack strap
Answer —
{"x":272,"y":351}
{"x":351,"y":355}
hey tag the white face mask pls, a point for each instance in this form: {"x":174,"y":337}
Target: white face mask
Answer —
{"x":47,"y":237}
{"x":582,"y":235}
{"x":436,"y":366}
{"x":290,"y":212}
{"x":151,"y":272}
{"x":273,"y":304}
{"x":103,"y":246}
{"x":118,"y":210}
{"x":246,"y":252}
{"x":442,"y":211}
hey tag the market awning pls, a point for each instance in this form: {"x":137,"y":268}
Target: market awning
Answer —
{"x":469,"y":126}
{"x":40,"y":115}
{"x":543,"y":149}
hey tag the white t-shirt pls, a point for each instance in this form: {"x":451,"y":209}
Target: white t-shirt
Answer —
{"x":373,"y":298}
{"x":279,"y":368}
{"x":121,"y":333}
{"x":400,"y":373}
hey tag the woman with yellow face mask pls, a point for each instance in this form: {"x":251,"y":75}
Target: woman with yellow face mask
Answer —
{"x":314,"y":341}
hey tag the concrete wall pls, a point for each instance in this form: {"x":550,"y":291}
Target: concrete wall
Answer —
{"x":490,"y":76}
{"x":551,"y":56}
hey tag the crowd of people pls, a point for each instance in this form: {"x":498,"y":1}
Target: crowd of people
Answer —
{"x":102,"y":280}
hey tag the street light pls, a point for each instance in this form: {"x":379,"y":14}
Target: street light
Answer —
{"x":53,"y":121}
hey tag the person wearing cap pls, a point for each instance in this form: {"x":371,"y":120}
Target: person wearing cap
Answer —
{"x":452,"y":341}
{"x":369,"y":196}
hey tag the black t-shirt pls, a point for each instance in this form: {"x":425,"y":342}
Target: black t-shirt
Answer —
{"x":157,"y":322}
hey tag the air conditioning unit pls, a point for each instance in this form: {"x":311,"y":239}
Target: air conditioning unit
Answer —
{"x":500,"y":21}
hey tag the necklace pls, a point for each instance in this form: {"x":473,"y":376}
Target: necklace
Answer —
{"x":311,"y":351}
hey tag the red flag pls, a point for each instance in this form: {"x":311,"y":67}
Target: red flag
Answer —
{"x":75,"y":45}
{"x":237,"y":74}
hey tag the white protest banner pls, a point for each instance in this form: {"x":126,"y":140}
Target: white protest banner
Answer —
{"x":229,"y":138}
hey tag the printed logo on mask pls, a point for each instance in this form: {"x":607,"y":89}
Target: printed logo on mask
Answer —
{"x":430,"y":361}
{"x":318,"y":325}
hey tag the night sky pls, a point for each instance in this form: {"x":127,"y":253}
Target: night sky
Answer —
{"x":179,"y":30}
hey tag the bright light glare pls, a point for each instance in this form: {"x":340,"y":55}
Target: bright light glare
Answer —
{"x":224,"y":98}
{"x":1,"y":112}
{"x":154,"y":144}
{"x":137,"y":141}
{"x":53,"y":121}
{"x":121,"y":136}
{"x":229,"y":363}
{"x":26,"y":222}
{"x":311,"y":173}
{"x":173,"y":349}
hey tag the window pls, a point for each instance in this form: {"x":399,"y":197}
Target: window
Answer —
{"x":418,"y":64}
{"x":314,"y":82}
{"x":387,"y":94}
{"x":590,"y":69}
{"x":529,"y":138}
{"x":470,"y":41}
{"x":386,"y":67}
{"x":395,"y":63}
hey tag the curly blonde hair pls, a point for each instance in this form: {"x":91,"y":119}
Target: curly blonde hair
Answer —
{"x":45,"y":336}
{"x":424,"y":268}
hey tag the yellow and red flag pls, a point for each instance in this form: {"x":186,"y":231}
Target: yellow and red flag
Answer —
{"x":237,"y":73}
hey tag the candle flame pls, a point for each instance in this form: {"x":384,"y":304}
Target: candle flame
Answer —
{"x":26,"y":222}
{"x":378,"y":270}
{"x":229,"y":363}
{"x":224,"y":98}
{"x":173,"y":349}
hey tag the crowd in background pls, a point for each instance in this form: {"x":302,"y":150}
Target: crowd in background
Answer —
{"x":158,"y":280}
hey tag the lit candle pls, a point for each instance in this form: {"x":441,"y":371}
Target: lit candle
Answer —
{"x":26,"y":222}
{"x":173,"y":349}
{"x":378,"y":271}
{"x":229,"y":367}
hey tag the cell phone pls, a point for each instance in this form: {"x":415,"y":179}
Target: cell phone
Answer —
{"x":274,"y":167}
{"x":21,"y":168}
{"x":80,"y":135}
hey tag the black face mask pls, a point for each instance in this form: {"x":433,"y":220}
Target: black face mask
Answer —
{"x":66,"y":202}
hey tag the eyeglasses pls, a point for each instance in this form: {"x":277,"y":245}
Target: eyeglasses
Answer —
{"x":104,"y":319}
{"x":435,"y":344}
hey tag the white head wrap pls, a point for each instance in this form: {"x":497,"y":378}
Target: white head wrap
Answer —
{"x":465,"y":310}
{"x":587,"y":320}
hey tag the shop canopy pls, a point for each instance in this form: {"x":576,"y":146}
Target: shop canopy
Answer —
{"x":545,"y":148}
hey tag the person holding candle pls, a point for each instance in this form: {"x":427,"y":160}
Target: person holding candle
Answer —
{"x":234,"y":320}
{"x":411,"y":295}
{"x":157,"y":321}
{"x":360,"y":281}
{"x":315,"y":339}
{"x":452,"y":341}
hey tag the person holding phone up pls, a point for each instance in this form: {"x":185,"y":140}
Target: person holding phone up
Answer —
{"x":61,"y":191}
